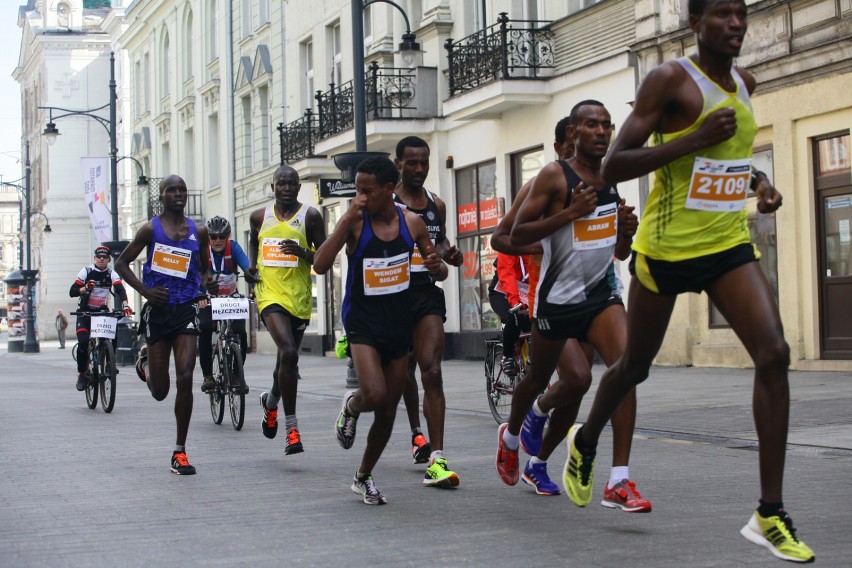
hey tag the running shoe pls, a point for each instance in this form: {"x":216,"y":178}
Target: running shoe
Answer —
{"x":507,"y":459}
{"x":141,"y":361}
{"x":180,"y":464}
{"x":208,"y":384}
{"x":624,"y":495}
{"x":577,"y":475}
{"x":508,"y":365}
{"x":270,"y":418}
{"x":82,"y":381}
{"x":420,"y":448}
{"x":439,"y":475}
{"x":531,"y":433}
{"x":536,"y":476}
{"x":293,"y":445}
{"x":366,"y":487}
{"x":346,"y":427}
{"x":778,"y":535}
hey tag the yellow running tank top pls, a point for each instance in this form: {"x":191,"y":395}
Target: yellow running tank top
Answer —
{"x":697,"y":204}
{"x":285,"y":279}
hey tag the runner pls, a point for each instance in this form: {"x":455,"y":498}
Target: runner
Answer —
{"x":226,"y":258}
{"x":93,"y":285}
{"x":172,"y":278}
{"x":429,"y":312}
{"x":698,"y":110}
{"x":379,"y":239}
{"x":284,"y":236}
{"x":573,"y":368}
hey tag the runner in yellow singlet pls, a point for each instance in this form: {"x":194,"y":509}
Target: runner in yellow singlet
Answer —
{"x":284,"y":236}
{"x":693,"y":237}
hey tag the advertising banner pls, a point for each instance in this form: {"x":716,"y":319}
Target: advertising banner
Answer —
{"x":95,"y":173}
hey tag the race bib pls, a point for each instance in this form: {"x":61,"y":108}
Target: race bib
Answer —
{"x":103,"y":327}
{"x":386,"y":275}
{"x":417,"y":260}
{"x":98,"y":297}
{"x":227,"y":284}
{"x":524,"y":292}
{"x":719,"y":185}
{"x":598,"y":229}
{"x":272,"y":255}
{"x":172,"y":261}
{"x":230,"y":308}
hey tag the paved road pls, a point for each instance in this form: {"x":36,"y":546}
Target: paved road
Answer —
{"x":81,"y":488}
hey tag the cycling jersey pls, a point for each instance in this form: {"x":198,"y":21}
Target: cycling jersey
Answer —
{"x":97,"y":298}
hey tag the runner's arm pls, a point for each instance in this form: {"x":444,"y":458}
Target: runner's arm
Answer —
{"x":500,"y":238}
{"x":144,"y":236}
{"x":449,"y":253}
{"x":431,"y":258}
{"x":344,"y":234}
{"x":255,"y":222}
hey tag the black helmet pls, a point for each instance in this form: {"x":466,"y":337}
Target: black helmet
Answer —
{"x":218,"y":226}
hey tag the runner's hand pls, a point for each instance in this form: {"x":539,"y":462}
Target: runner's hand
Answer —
{"x":250,"y":275}
{"x":720,"y":125}
{"x":584,"y":199}
{"x":356,"y":206}
{"x":768,"y":198}
{"x":433,"y":263}
{"x":628,"y":222}
{"x":453,"y":256}
{"x":156,"y":295}
{"x":289,"y":246}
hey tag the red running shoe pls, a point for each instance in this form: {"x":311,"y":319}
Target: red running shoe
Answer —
{"x":624,"y":495}
{"x":507,"y":459}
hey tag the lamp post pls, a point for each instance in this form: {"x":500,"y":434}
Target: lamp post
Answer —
{"x":51,"y":132}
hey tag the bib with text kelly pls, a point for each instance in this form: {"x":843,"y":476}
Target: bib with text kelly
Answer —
{"x":719,"y":185}
{"x":386,"y":275}
{"x":272,"y":255}
{"x":598,"y":229}
{"x":169,"y":260}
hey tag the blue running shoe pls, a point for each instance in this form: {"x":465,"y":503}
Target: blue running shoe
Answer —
{"x":536,"y":476}
{"x":531,"y":433}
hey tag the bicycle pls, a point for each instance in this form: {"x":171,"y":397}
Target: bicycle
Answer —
{"x":500,"y":386}
{"x":228,"y":360}
{"x":101,"y":370}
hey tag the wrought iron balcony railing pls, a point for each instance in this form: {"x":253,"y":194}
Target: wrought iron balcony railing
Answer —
{"x":391,"y":93}
{"x":194,"y":208}
{"x":509,"y":49}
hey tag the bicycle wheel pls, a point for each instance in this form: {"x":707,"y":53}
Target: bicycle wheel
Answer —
{"x":235,"y":377}
{"x":217,"y":397}
{"x":94,"y":378}
{"x":499,"y":386}
{"x":107,"y":372}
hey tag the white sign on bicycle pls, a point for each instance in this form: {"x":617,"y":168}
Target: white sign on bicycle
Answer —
{"x":230,"y":308}
{"x":103,"y":327}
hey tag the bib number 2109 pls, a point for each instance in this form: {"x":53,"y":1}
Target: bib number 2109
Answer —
{"x":719,"y":185}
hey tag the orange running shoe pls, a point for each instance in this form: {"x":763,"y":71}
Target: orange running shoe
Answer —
{"x":294,"y":443}
{"x":180,"y":464}
{"x":420,"y":448}
{"x":507,"y":459}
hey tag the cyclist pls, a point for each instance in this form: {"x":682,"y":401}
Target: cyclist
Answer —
{"x":226,"y":258}
{"x":508,"y":297}
{"x":93,"y":286}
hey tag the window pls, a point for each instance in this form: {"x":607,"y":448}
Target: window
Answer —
{"x":189,"y":158}
{"x":336,"y":54}
{"x":146,"y":72}
{"x":166,"y":158}
{"x":479,"y":211}
{"x":248,"y":167}
{"x":308,"y":70}
{"x":187,"y":48}
{"x":265,"y":139}
{"x":368,"y":27}
{"x":763,"y":235}
{"x":833,"y":155}
{"x":213,"y":149}
{"x":246,"y":19}
{"x":137,"y":103}
{"x":525,"y":165}
{"x":263,"y":12}
{"x":481,"y":15}
{"x":164,"y":65}
{"x":210,"y":30}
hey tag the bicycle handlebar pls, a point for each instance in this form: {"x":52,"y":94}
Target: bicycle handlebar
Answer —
{"x":112,"y":314}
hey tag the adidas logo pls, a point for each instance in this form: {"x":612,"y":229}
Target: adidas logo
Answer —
{"x":190,"y":325}
{"x":192,"y":238}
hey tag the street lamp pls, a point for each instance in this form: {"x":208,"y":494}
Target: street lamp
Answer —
{"x":51,"y":133}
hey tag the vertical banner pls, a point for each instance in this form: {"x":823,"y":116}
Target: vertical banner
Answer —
{"x":95,"y":172}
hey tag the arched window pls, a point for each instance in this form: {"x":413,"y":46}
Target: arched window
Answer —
{"x":164,"y":65}
{"x":210,"y":30}
{"x":187,"y":47}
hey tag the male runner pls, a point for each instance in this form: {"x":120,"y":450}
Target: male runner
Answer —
{"x":226,"y":258}
{"x":284,"y":236}
{"x":172,"y":278}
{"x":93,"y":286}
{"x":574,"y":371}
{"x":379,"y":239}
{"x":693,"y":238}
{"x":429,"y":312}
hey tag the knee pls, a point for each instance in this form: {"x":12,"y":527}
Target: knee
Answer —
{"x":373,"y":399}
{"x":634,"y":371}
{"x":183,"y":382}
{"x":432,"y":378}
{"x":573,"y":382}
{"x":288,"y":357}
{"x":159,"y":390}
{"x":773,"y":357}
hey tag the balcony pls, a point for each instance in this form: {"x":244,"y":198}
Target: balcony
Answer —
{"x":392,"y":94}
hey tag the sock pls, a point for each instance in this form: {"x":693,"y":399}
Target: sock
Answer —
{"x":535,"y":461}
{"x":179,"y":448}
{"x":290,"y":421}
{"x":436,"y":455}
{"x":511,"y":442}
{"x":360,"y":475}
{"x":537,"y":409}
{"x":582,"y":446}
{"x":766,"y":510}
{"x":272,"y":401}
{"x":617,"y":473}
{"x":415,"y":431}
{"x":349,"y":410}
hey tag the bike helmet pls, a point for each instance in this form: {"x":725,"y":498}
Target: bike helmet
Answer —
{"x":218,"y":226}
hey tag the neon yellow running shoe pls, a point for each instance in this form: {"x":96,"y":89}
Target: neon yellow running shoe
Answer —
{"x":778,"y":535}
{"x":577,"y":475}
{"x":439,"y":475}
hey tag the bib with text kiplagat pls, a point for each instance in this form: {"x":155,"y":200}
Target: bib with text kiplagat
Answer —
{"x":272,"y":255}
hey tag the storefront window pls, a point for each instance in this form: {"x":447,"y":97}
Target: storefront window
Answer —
{"x":479,"y":210}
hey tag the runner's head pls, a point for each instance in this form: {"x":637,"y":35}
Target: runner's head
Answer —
{"x":219,"y":230}
{"x":719,"y":25}
{"x":376,"y":178}
{"x":286,"y":185}
{"x":412,"y":159}
{"x":591,"y":129}
{"x":102,"y":256}
{"x":173,"y":193}
{"x":563,"y":144}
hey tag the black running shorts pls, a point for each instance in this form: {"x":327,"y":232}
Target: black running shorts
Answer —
{"x":169,"y":320}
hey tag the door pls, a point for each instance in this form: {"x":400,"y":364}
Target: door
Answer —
{"x":834,"y":210}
